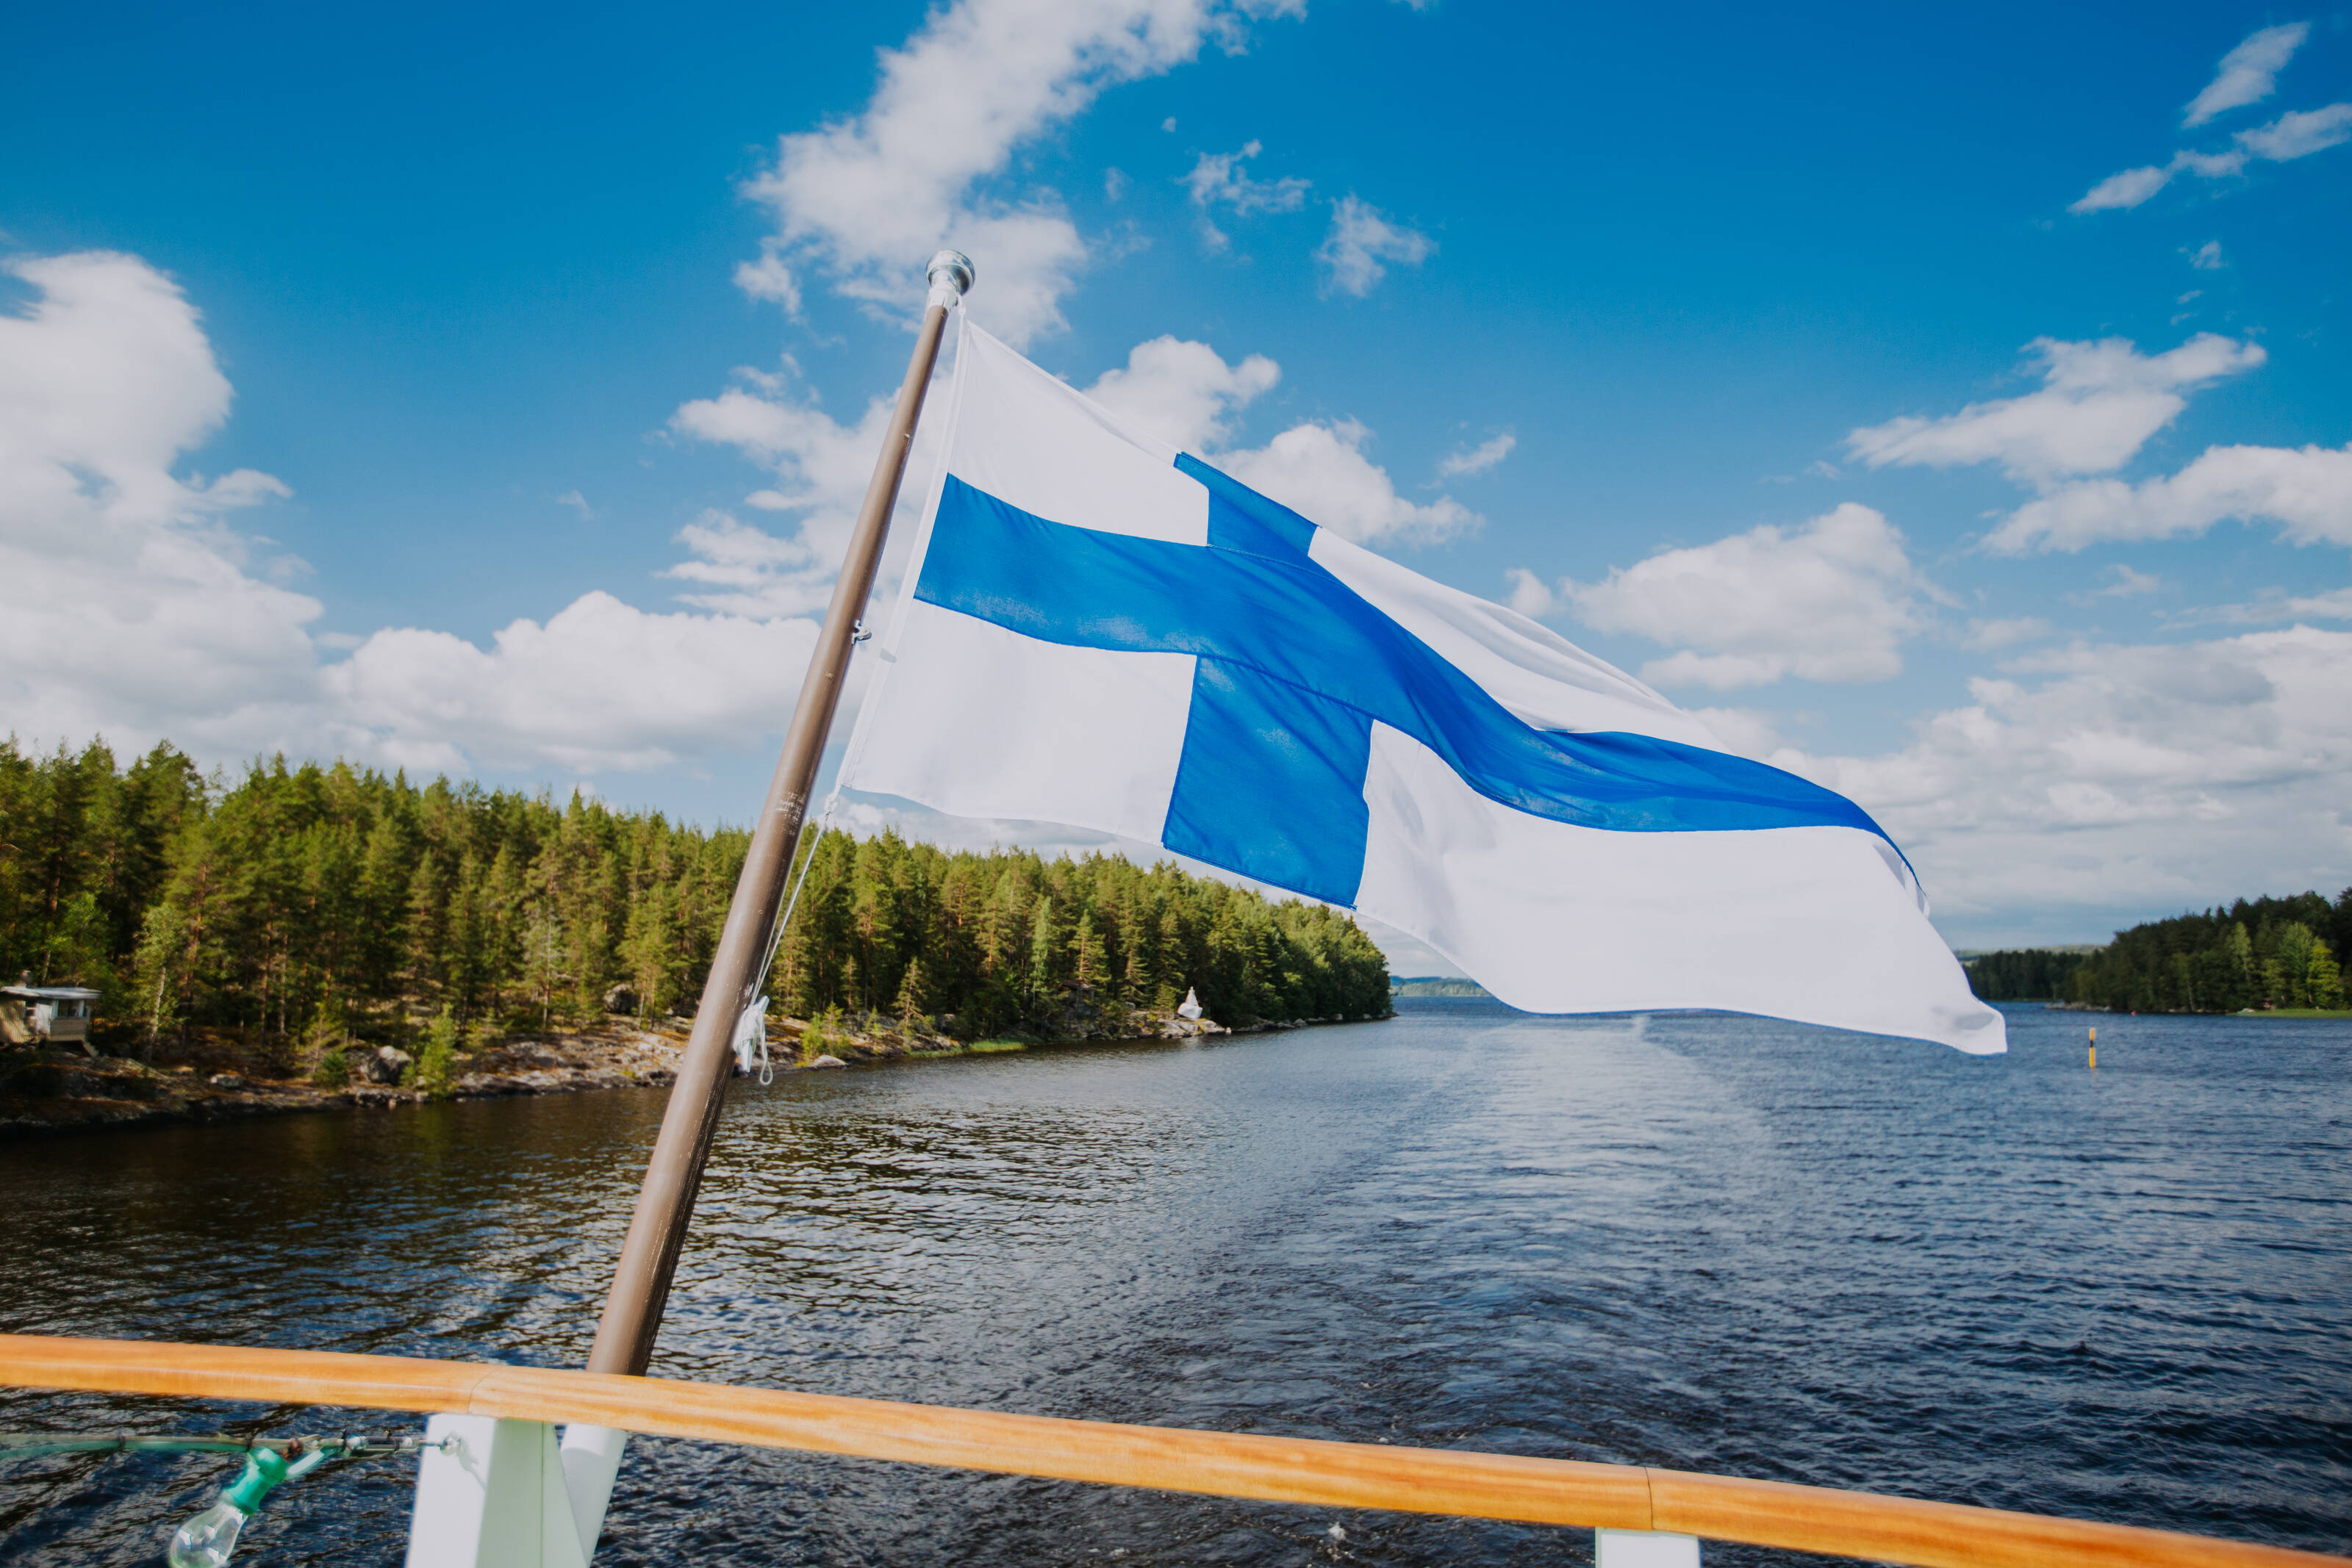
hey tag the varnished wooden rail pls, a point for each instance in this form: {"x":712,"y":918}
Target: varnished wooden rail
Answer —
{"x":1275,"y":1469}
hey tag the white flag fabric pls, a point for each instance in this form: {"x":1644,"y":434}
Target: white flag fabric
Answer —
{"x":1103,"y":631}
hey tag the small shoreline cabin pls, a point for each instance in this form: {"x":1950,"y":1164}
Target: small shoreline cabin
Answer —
{"x":58,"y":1014}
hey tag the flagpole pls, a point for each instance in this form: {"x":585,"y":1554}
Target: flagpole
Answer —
{"x":633,"y":1309}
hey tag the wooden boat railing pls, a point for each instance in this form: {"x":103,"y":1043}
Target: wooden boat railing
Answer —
{"x":1275,"y":1470}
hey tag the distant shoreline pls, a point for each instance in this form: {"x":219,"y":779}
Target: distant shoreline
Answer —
{"x":57,"y":1092}
{"x":1436,"y":986}
{"x":2176,"y":1013}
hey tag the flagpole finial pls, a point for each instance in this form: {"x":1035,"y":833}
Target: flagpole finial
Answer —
{"x":951,"y":274}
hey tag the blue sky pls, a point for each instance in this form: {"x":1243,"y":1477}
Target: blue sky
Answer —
{"x":535,"y":344}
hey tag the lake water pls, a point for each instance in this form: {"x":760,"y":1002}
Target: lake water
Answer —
{"x":1709,"y":1243}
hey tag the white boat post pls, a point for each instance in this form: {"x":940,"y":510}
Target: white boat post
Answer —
{"x":510,"y":1495}
{"x":1643,"y":1549}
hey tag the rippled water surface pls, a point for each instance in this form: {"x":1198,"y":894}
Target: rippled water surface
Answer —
{"x":1712,"y":1243}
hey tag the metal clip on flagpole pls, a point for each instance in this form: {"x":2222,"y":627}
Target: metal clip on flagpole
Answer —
{"x":632,"y":1310}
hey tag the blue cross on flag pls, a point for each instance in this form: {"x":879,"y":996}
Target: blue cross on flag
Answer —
{"x":1102,"y":630}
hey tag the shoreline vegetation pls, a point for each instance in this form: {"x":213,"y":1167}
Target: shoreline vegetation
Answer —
{"x":304,"y":935}
{"x":2264,"y":956}
{"x":1436,"y":986}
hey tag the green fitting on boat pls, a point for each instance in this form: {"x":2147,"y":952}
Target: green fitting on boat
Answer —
{"x":264,"y":1469}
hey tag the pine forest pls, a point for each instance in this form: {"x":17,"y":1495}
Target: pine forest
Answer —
{"x":301,"y":897}
{"x":2264,"y":954}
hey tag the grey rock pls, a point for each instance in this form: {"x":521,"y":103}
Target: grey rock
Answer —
{"x":621,"y":998}
{"x":828,"y":1060}
{"x":225,"y":1081}
{"x":387,"y":1064}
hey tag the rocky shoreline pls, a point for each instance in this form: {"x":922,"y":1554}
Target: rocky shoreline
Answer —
{"x":53,"y":1091}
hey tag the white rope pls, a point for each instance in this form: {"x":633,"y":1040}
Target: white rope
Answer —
{"x":756,"y":1015}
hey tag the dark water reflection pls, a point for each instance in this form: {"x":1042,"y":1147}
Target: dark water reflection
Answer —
{"x":1711,"y":1243}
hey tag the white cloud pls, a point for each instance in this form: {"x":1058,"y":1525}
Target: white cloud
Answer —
{"x":2206,"y":258}
{"x":602,"y":686}
{"x":1184,"y":393}
{"x":2124,"y":582}
{"x":1530,"y":595}
{"x":2099,"y":404}
{"x":2300,"y":134}
{"x":1831,"y":601}
{"x":132,"y":609}
{"x":1320,"y":472}
{"x":2307,"y":491}
{"x":770,"y":279}
{"x":739,"y":570}
{"x":2247,"y":73}
{"x":867,"y":199}
{"x":1362,"y":238}
{"x":1985,"y":635}
{"x":578,"y":503}
{"x":2128,"y":188}
{"x":2334,"y":605}
{"x":1218,"y":179}
{"x":136,"y":614}
{"x":1486,"y":454}
{"x":822,"y":468}
{"x":2100,"y":776}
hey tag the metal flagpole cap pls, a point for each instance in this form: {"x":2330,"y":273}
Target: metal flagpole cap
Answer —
{"x":951,"y":274}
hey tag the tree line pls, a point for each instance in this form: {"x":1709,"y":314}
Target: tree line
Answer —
{"x":2023,"y":975}
{"x":2257,"y":953}
{"x":297,"y":898}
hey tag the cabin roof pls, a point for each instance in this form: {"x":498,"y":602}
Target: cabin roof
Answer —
{"x":50,"y":993}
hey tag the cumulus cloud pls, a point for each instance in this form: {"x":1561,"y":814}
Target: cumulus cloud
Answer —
{"x":1184,"y":393}
{"x":1984,"y":635}
{"x":865,"y":200}
{"x":2309,"y":492}
{"x":2104,"y":776}
{"x":132,"y":607}
{"x":601,"y":686}
{"x":1361,"y":240}
{"x":1218,"y":179}
{"x":821,"y":467}
{"x":2247,"y":73}
{"x":770,"y":279}
{"x":1319,"y":470}
{"x":2099,"y":404}
{"x":1486,"y":454}
{"x":137,"y":613}
{"x":1531,"y":595}
{"x":1833,"y":599}
{"x":2298,"y":134}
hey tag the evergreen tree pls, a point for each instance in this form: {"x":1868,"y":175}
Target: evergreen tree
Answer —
{"x":295,"y":899}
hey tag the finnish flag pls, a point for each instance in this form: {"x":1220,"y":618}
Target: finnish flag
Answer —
{"x":1103,"y":631}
